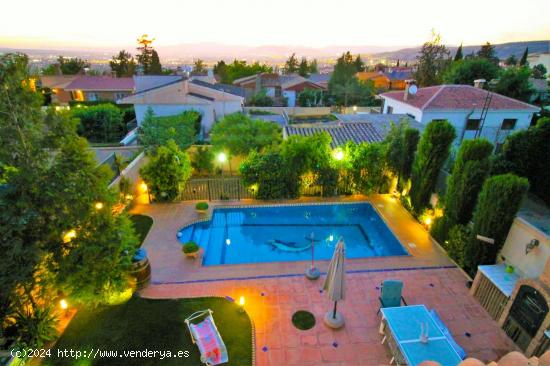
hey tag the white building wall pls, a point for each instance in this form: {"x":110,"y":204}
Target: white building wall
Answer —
{"x":223,"y":108}
{"x":491,"y":127}
{"x":529,"y":265}
{"x":270,"y":92}
{"x":291,"y":96}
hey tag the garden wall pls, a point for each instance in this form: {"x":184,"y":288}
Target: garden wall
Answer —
{"x":132,"y":173}
{"x":293,"y":111}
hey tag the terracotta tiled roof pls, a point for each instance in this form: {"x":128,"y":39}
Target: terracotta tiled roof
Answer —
{"x":107,"y":83}
{"x":340,"y":132}
{"x":460,"y":97}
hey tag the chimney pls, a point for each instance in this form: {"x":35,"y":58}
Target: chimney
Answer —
{"x":408,"y":84}
{"x":479,"y":83}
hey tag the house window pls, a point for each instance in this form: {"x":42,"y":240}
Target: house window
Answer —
{"x":92,"y":97}
{"x":473,"y":124}
{"x":119,"y":96}
{"x":277,"y":92}
{"x":390,"y":110}
{"x":508,"y":123}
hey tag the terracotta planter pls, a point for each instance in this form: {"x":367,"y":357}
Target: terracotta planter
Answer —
{"x":192,"y":255}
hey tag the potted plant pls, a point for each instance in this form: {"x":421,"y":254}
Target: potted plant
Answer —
{"x":190,"y":249}
{"x":201,"y":207}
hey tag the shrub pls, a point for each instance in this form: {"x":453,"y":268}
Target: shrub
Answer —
{"x":469,"y":172}
{"x":497,"y":205}
{"x":100,"y":123}
{"x":271,"y":173}
{"x":401,"y":142}
{"x":433,"y":150}
{"x":157,"y":131}
{"x":167,"y":172}
{"x":368,"y":167}
{"x":190,"y":247}
{"x":203,"y":160}
{"x":201,"y":206}
{"x":261,"y":99}
{"x":459,"y":236}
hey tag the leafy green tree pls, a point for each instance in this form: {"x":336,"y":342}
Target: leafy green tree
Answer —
{"x":353,"y":92}
{"x":514,"y":83}
{"x":539,"y":71}
{"x":240,"y":69}
{"x":199,"y":68}
{"x":433,"y":150}
{"x":497,"y":206}
{"x":239,"y":134}
{"x":203,"y":160}
{"x":525,"y":153}
{"x":310,"y":98}
{"x":488,"y":52}
{"x":100,"y":123}
{"x":271,"y":173}
{"x":432,"y":61}
{"x":72,"y":66}
{"x":313,"y":67}
{"x":459,"y":236}
{"x":291,"y":65}
{"x":359,"y":64}
{"x":156,"y":67}
{"x":401,"y":142}
{"x":458,"y":55}
{"x":260,"y":99}
{"x":344,"y":71}
{"x":123,"y":64}
{"x":466,"y":71}
{"x":368,"y":161}
{"x":523,"y":61}
{"x":303,"y":68}
{"x":511,"y":61}
{"x":167,"y":172}
{"x":470,"y":169}
{"x":156,"y":131}
{"x":220,"y":69}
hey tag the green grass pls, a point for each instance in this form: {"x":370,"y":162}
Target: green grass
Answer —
{"x":142,"y":225}
{"x":303,"y":320}
{"x":313,"y":119}
{"x":144,"y":324}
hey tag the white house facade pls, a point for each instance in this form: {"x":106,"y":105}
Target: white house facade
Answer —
{"x":174,"y":95}
{"x":462,"y":106}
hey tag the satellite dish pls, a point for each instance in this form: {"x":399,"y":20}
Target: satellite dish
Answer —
{"x":413,"y":89}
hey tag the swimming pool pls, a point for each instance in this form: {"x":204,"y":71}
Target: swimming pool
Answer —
{"x":278,"y":233}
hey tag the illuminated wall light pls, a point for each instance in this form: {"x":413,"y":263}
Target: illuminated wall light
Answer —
{"x":222,"y":158}
{"x":63,"y":303}
{"x":143,"y":187}
{"x":428,"y":221}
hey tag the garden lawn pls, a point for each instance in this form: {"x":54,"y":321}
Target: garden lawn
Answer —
{"x":142,"y":225}
{"x":145,"y":324}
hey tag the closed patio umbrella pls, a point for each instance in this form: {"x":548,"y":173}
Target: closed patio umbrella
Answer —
{"x":335,"y":284}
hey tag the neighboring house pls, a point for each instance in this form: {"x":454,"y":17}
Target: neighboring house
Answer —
{"x":380,"y":80}
{"x":462,"y":106}
{"x":172,"y":95}
{"x":382,"y":122}
{"x":398,"y":77}
{"x":539,"y":58}
{"x":55,"y":86}
{"x":540,"y":90}
{"x":278,"y":87}
{"x":341,"y":133}
{"x":320,"y":79}
{"x":86,"y":88}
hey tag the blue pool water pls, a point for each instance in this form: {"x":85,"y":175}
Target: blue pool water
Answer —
{"x":278,"y":234}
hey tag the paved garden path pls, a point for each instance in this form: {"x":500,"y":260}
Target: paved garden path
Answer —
{"x":271,"y":302}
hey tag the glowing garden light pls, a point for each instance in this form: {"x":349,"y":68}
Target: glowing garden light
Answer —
{"x":69,"y":235}
{"x":222,"y":158}
{"x":241,"y":304}
{"x":98,"y":205}
{"x":143,"y":187}
{"x":64,"y":304}
{"x":338,"y":154}
{"x":428,"y":221}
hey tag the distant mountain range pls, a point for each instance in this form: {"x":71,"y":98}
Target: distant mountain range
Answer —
{"x":276,"y":53}
{"x":503,"y":50}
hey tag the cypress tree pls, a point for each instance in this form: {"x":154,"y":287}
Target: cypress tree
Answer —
{"x":469,"y":171}
{"x":497,"y":205}
{"x":523,"y":61}
{"x":433,"y":150}
{"x":459,"y":56}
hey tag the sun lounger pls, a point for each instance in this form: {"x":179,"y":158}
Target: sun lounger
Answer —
{"x":205,"y":334}
{"x":447,"y":334}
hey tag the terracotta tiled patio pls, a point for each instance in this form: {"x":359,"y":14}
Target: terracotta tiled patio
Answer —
{"x":274,"y":291}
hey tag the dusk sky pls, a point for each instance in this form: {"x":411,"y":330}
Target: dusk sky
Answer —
{"x":314,"y":23}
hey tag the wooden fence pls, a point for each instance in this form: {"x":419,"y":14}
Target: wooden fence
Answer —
{"x":222,"y":188}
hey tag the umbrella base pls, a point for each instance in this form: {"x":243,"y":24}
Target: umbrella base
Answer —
{"x":312,"y":273}
{"x":332,"y":322}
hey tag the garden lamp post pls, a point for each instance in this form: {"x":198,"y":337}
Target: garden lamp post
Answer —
{"x":312,"y":273}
